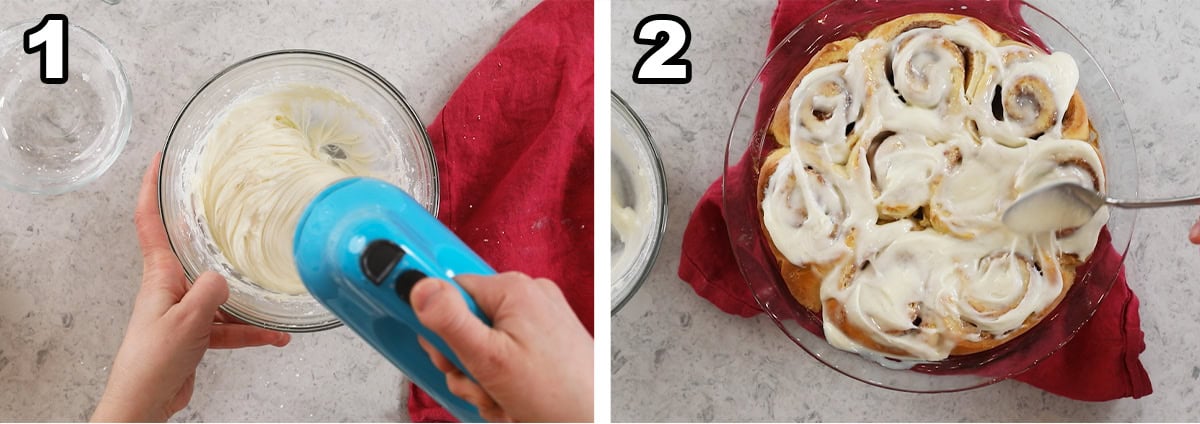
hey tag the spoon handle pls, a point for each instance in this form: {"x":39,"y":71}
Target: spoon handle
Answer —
{"x":1153,"y":203}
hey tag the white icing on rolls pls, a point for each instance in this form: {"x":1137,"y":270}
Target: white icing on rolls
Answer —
{"x":904,"y":206}
{"x":901,"y":165}
{"x":804,"y":213}
{"x":1027,"y":80}
{"x":823,"y":106}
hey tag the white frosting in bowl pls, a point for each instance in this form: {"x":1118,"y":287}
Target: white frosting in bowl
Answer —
{"x":631,"y":208}
{"x":638,"y":210}
{"x":264,"y":161}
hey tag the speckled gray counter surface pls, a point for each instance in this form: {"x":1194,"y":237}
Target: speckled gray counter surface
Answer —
{"x":70,"y":266}
{"x":676,"y":357}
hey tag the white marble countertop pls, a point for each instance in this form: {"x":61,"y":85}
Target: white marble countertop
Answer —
{"x":70,"y":266}
{"x":676,"y":357}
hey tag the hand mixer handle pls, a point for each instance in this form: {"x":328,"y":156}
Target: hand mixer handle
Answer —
{"x":382,"y":260}
{"x":360,"y":247}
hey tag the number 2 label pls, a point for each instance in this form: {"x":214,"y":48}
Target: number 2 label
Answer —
{"x":663,"y":63}
{"x":49,"y":39}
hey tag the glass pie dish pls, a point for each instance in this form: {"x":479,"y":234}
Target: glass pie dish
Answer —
{"x":745,"y":153}
{"x":403,"y":155}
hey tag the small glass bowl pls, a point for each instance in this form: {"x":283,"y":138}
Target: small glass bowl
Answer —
{"x":55,"y":138}
{"x":743,"y":158}
{"x":405,"y":159}
{"x":636,"y":164}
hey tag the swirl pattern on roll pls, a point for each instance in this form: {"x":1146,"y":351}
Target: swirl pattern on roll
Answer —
{"x":897,"y":154}
{"x":804,"y":201}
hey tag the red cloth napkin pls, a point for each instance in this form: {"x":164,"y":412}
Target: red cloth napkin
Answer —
{"x":1099,"y":363}
{"x":515,"y":150}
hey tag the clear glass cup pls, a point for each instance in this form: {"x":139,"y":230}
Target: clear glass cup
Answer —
{"x":405,"y":158}
{"x":745,"y":152}
{"x":55,"y":138}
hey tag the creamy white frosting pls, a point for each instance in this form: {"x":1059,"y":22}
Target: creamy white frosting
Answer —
{"x":632,"y":207}
{"x":921,"y":285}
{"x":1035,"y":212}
{"x":630,"y":203}
{"x":827,"y":90}
{"x":263,"y":162}
{"x":626,"y":223}
{"x":1056,"y":70}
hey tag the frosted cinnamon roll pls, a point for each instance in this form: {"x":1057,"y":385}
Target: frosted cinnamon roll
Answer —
{"x":884,"y":306}
{"x":1030,"y":94}
{"x":967,"y":197}
{"x":1058,"y":161}
{"x":806,"y":215}
{"x":805,"y":212}
{"x":929,"y":71}
{"x":973,"y":41}
{"x":898,"y":152}
{"x":1065,"y":161}
{"x":1002,"y":295}
{"x":819,"y":113}
{"x":901,"y":166}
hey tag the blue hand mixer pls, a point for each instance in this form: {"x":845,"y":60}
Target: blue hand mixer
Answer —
{"x":361,"y":245}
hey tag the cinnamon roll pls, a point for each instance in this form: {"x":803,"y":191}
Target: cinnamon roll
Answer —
{"x":901,"y":165}
{"x":805,"y":214}
{"x":1027,"y":95}
{"x":966,"y":198}
{"x":1065,"y":161}
{"x":898,"y":152}
{"x":886,"y":307}
{"x":1003,"y":296}
{"x":819,"y":112}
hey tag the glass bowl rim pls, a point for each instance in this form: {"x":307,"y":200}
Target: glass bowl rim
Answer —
{"x":661,"y":178}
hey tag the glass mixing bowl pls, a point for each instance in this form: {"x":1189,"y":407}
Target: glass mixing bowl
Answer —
{"x":638,"y":178}
{"x":744,"y":154}
{"x":55,"y":138}
{"x":404,"y":158}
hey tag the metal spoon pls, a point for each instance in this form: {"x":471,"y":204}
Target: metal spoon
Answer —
{"x":1067,"y":205}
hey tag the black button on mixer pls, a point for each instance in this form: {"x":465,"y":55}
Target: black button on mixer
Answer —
{"x":405,"y":283}
{"x":378,"y":260}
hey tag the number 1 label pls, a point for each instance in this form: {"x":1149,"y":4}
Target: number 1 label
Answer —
{"x":663,"y":64}
{"x":49,"y":39}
